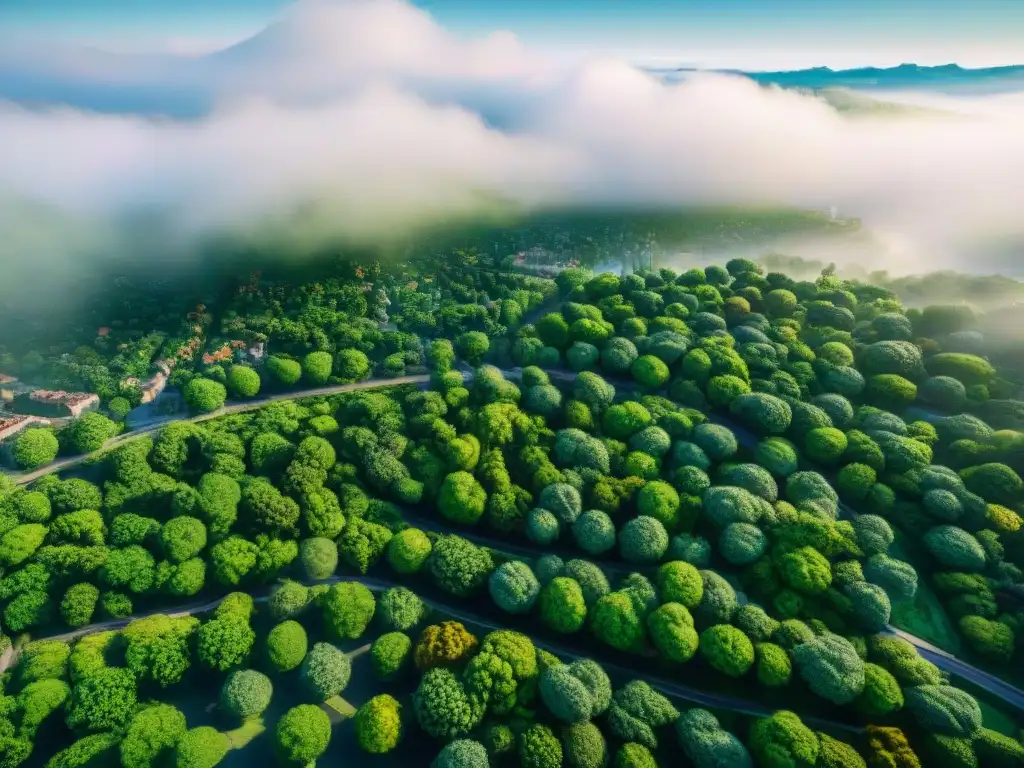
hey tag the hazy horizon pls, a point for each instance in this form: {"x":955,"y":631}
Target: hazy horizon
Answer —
{"x":357,"y":119}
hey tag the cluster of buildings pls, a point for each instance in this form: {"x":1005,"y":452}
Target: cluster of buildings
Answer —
{"x":72,"y":404}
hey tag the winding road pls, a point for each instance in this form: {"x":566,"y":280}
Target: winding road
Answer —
{"x":667,"y":687}
{"x":945,"y":661}
{"x":24,"y":478}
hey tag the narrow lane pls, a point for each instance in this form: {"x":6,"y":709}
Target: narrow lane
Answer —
{"x":24,"y":478}
{"x":667,"y":687}
{"x":940,"y":658}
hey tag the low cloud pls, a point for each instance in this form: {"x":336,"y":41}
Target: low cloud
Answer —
{"x":358,"y":119}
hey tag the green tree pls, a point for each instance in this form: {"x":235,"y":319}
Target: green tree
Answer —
{"x":284,"y":371}
{"x":286,"y":646}
{"x":325,"y":671}
{"x":727,"y":649}
{"x":205,"y":395}
{"x":246,"y":694}
{"x":152,"y":736}
{"x":35,"y":447}
{"x":378,"y":724}
{"x":202,"y":747}
{"x":348,"y":608}
{"x":103,"y":701}
{"x":243,"y":381}
{"x":562,"y":607}
{"x":302,"y":734}
{"x":317,"y":367}
{"x":461,"y":498}
{"x":88,"y":433}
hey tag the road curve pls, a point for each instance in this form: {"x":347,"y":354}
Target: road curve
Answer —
{"x":944,"y":660}
{"x":667,"y":687}
{"x":24,"y":478}
{"x":940,"y":658}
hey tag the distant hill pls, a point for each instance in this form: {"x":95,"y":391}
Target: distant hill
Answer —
{"x":947,"y":78}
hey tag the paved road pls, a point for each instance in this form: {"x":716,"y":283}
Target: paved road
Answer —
{"x":24,"y":478}
{"x":667,"y":687}
{"x":944,"y":660}
{"x":744,"y":436}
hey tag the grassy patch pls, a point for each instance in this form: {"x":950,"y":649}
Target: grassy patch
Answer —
{"x":924,"y":617}
{"x":341,"y":706}
{"x":997,"y":720}
{"x":249,"y":730}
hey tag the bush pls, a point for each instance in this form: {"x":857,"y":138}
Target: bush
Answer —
{"x":997,"y":483}
{"x":870,"y":605}
{"x":967,"y":369}
{"x":649,"y":371}
{"x":20,"y":543}
{"x":319,"y":558}
{"x":622,"y":420}
{"x":542,"y":526}
{"x":442,"y":706}
{"x":618,"y":355}
{"x":152,"y":734}
{"x":855,"y":481}
{"x":782,"y":740}
{"x":562,"y":607}
{"x":79,"y":604}
{"x":205,"y":395}
{"x":707,"y":744}
{"x":202,"y":747}
{"x":458,"y":566}
{"x":400,"y":609}
{"x":616,"y":621}
{"x":594,"y":532}
{"x":672,"y":632}
{"x":990,"y":639}
{"x":718,"y":603}
{"x":514,"y":587}
{"x":830,"y":666}
{"x":955,"y":548}
{"x":997,"y":750}
{"x":944,"y":392}
{"x":326,"y":671}
{"x":891,"y":391}
{"x":103,"y":701}
{"x":408,"y":551}
{"x":183,"y":538}
{"x":378,"y":724}
{"x":742,"y":543}
{"x":806,"y":570}
{"x":569,"y":695}
{"x":88,"y":433}
{"x":348,"y":608}
{"x":35,"y":447}
{"x":944,"y":709}
{"x":774,"y":668}
{"x":243,"y":381}
{"x":389,"y":654}
{"x":727,"y":649}
{"x":900,"y":358}
{"x":825,"y":445}
{"x":882,"y":694}
{"x":643,"y":540}
{"x":286,"y":646}
{"x":317,"y":367}
{"x":562,"y":500}
{"x":778,"y":456}
{"x":762,"y":412}
{"x":302,"y":734}
{"x":246,"y":693}
{"x":461,"y":498}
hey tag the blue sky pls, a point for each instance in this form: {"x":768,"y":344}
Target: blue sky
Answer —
{"x":761,"y":34}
